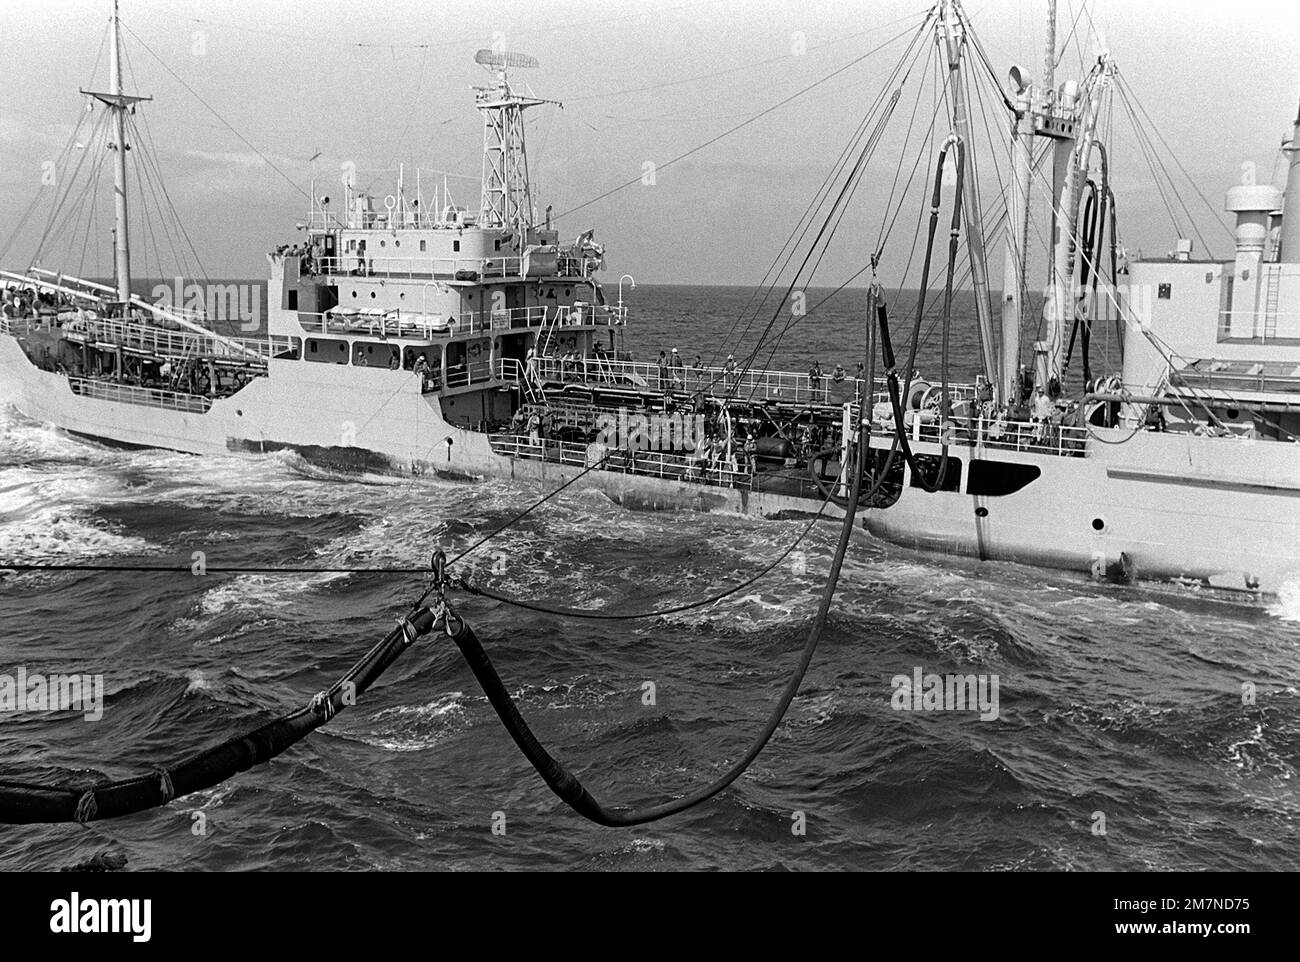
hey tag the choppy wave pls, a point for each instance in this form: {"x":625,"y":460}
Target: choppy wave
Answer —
{"x":1174,"y":714}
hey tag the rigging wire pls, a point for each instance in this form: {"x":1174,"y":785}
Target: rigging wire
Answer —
{"x":806,"y":221}
{"x":731,"y":130}
{"x":600,"y":615}
{"x":212,"y":110}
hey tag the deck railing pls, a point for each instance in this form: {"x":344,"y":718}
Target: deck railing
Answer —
{"x":422,"y":325}
{"x":143,"y":396}
{"x":367,"y":265}
{"x":715,"y":381}
{"x":166,"y":342}
{"x":667,"y":465}
{"x":1041,"y":437}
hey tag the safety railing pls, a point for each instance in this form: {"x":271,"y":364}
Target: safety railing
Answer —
{"x":425,"y":326}
{"x":167,"y":342}
{"x":1044,"y":437}
{"x":463,"y":375}
{"x":667,"y":465}
{"x":1208,"y":379}
{"x":367,"y":265}
{"x":715,"y":381}
{"x":143,"y":396}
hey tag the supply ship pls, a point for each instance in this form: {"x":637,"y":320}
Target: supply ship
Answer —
{"x":408,"y":334}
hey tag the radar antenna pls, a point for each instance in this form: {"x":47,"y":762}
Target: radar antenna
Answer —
{"x":504,"y":58}
{"x":507,"y":197}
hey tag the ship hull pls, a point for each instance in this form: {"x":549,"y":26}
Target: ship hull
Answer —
{"x":1157,"y":506}
{"x":1145,"y":505}
{"x":348,"y":418}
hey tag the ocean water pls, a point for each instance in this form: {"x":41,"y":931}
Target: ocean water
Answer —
{"x":1119,"y":707}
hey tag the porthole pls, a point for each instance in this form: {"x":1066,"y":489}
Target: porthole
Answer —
{"x":981,"y":512}
{"x":372,"y":295}
{"x":354,"y":293}
{"x":1233,"y":414}
{"x":1098,"y":524}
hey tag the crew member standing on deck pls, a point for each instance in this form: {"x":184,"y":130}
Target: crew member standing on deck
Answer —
{"x":663,"y":371}
{"x":676,"y":365}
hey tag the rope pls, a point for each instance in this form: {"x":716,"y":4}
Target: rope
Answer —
{"x":570,"y":790}
{"x":87,"y":808}
{"x":630,"y":616}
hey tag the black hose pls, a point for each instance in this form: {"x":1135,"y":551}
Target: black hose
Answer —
{"x":25,"y":803}
{"x":900,"y":431}
{"x":569,"y":789}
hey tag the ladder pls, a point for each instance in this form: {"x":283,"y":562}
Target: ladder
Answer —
{"x":1270,"y":300}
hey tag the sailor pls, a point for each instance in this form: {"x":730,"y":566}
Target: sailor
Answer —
{"x":814,"y":379}
{"x":393,"y":362}
{"x":984,"y":395}
{"x":698,"y":363}
{"x":676,"y":365}
{"x":663,"y":371}
{"x":838,"y":375}
{"x":729,"y":371}
{"x":1042,"y":414}
{"x":422,"y":370}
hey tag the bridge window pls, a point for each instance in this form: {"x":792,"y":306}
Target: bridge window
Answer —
{"x":455,"y":245}
{"x":326,"y":350}
{"x":423,"y":246}
{"x":1164,"y":291}
{"x":374,"y":354}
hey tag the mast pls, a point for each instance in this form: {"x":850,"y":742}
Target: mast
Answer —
{"x":1014,"y":283}
{"x":1055,"y":118}
{"x":121,"y":232}
{"x":954,"y":39}
{"x":1290,"y":237}
{"x":119,"y":103}
{"x":506,"y":199}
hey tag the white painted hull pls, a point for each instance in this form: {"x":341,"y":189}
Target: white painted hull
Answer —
{"x":1175,"y":506}
{"x":358,"y":417}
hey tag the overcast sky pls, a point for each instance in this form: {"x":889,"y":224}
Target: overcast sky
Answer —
{"x":378,"y":83}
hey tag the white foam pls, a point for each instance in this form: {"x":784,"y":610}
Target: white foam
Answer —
{"x":1287,"y":605}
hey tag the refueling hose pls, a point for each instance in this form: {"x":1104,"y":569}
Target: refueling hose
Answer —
{"x":25,"y":802}
{"x":569,"y":789}
{"x":886,"y":347}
